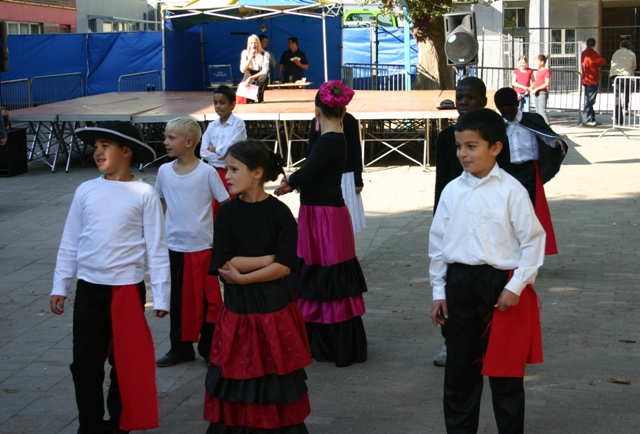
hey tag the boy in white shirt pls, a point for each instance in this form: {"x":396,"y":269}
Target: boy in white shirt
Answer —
{"x":186,"y":188}
{"x":113,"y":221}
{"x":486,"y":246}
{"x":221,"y":134}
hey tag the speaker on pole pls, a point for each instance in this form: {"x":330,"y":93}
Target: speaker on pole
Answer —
{"x":4,"y":51}
{"x":461,"y":44}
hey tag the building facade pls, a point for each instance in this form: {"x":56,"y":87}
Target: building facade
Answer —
{"x":39,"y":16}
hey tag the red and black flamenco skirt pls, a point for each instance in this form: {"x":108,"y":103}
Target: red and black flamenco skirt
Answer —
{"x":330,"y":285}
{"x":256,"y":382}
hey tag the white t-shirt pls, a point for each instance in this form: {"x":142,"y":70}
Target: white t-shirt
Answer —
{"x":189,"y":219}
{"x":222,"y":137}
{"x":110,"y":227}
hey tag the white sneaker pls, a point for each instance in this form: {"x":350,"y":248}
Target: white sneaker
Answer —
{"x":441,"y":358}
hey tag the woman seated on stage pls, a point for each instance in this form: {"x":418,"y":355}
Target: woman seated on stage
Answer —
{"x":254,"y":64}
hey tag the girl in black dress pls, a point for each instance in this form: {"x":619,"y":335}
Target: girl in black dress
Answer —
{"x":330,"y":283}
{"x":256,"y":381}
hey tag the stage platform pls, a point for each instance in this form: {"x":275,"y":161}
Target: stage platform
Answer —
{"x":390,"y":121}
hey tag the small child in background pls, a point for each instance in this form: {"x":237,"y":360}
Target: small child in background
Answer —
{"x":540,"y":86}
{"x":186,"y":188}
{"x":485,"y":245}
{"x":222,"y":133}
{"x":256,"y":381}
{"x":535,"y":152}
{"x":113,"y":221}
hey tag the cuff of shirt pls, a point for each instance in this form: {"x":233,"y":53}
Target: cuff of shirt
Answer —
{"x":439,"y":293}
{"x":516,"y":286}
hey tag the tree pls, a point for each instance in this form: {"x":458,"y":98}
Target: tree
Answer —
{"x":428,"y":29}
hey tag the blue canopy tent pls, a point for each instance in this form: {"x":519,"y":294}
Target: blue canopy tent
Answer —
{"x":235,"y":16}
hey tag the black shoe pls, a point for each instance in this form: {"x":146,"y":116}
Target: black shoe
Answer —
{"x":171,"y":359}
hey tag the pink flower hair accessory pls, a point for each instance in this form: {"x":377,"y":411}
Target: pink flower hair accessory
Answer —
{"x":332,"y":100}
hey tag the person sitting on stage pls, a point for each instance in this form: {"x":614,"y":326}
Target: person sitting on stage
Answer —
{"x":254,"y":64}
{"x":529,"y":139}
{"x":186,"y":188}
{"x":293,"y":62}
{"x":264,"y":42}
{"x":114,"y":220}
{"x":221,"y":134}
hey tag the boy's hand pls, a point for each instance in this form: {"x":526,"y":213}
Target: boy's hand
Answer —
{"x":212,"y":148}
{"x":439,"y":312}
{"x":507,"y":300}
{"x":562,"y":145}
{"x":160,"y":313}
{"x":57,"y":304}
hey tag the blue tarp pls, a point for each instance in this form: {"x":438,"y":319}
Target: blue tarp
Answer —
{"x":100,"y":57}
{"x":357,"y":46}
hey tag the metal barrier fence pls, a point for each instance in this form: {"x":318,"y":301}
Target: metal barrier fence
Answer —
{"x":53,"y":88}
{"x":16,"y":94}
{"x":626,"y":102}
{"x":360,"y":76}
{"x":149,"y":81}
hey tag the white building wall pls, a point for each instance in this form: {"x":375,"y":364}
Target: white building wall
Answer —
{"x":104,"y":10}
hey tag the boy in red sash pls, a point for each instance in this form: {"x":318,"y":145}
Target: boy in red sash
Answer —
{"x":186,"y":188}
{"x":485,"y":245}
{"x":114,"y":220}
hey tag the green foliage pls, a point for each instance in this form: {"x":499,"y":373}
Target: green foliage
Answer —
{"x":419,"y":9}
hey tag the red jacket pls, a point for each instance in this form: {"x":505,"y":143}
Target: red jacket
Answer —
{"x":591,"y":63}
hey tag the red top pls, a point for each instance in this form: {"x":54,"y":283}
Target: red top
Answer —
{"x":591,"y":63}
{"x":523,"y":78}
{"x":541,"y":74}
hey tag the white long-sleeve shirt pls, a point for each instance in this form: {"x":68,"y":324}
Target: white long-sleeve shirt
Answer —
{"x":486,"y":221}
{"x":110,"y":227}
{"x":523,"y":143}
{"x":222,"y":137}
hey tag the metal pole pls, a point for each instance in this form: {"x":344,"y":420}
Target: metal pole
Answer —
{"x":324,"y":45}
{"x":407,"y":46}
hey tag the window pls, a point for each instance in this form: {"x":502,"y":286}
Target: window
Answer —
{"x":24,"y":28}
{"x":514,"y":18}
{"x":563,"y":41}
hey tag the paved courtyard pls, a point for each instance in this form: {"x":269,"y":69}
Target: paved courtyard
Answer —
{"x":590,"y":313}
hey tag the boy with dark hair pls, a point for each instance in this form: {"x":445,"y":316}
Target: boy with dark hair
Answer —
{"x":113,"y":221}
{"x":186,"y":188}
{"x":221,"y":134}
{"x":471,"y":93}
{"x":535,"y":152}
{"x":486,"y":246}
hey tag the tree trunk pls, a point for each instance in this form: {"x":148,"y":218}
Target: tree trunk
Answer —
{"x":432,"y":69}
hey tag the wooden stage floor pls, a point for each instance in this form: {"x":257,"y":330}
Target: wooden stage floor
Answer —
{"x":391,"y":122}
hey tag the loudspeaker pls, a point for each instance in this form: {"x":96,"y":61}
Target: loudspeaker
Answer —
{"x":4,"y":51}
{"x":13,"y":155}
{"x":461,"y":44}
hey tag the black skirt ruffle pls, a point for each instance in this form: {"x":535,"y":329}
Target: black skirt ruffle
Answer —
{"x":327,"y":283}
{"x":269,"y":389}
{"x":342,"y":343}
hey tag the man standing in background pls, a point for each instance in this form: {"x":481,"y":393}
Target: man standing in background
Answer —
{"x":591,"y":63}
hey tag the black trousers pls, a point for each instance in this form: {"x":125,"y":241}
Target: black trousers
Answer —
{"x":261,"y":82}
{"x":92,"y":346}
{"x":526,"y":174}
{"x":471,"y":293}
{"x":178,"y":346}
